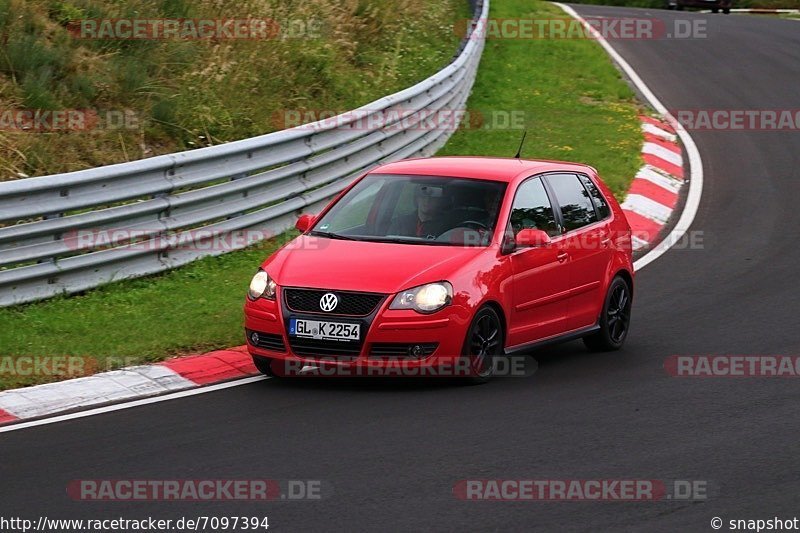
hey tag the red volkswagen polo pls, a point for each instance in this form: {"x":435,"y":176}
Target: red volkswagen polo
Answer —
{"x":450,"y":262}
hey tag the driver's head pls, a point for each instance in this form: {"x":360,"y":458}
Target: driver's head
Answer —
{"x":430,"y":201}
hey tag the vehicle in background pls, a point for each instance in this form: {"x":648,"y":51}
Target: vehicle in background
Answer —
{"x":714,"y":5}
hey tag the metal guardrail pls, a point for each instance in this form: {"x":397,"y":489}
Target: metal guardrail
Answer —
{"x":172,"y":203}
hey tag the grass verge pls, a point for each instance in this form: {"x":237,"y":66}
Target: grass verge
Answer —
{"x":580,"y":109}
{"x":566,"y":92}
{"x":192,"y":309}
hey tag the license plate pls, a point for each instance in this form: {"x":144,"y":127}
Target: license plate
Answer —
{"x":319,"y":329}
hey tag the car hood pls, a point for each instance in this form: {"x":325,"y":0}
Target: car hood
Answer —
{"x":323,"y":263}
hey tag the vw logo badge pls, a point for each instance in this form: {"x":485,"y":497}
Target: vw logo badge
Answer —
{"x":328,"y":302}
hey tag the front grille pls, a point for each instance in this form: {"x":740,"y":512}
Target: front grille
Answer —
{"x":268,"y":341}
{"x":402,"y":349}
{"x":350,"y":303}
{"x":320,"y":349}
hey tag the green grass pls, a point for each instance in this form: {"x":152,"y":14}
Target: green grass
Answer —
{"x":575,"y":105}
{"x":580,"y":110}
{"x":192,"y":309}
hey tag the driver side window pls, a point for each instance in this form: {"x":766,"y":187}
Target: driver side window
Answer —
{"x":357,"y":209}
{"x":532,"y":209}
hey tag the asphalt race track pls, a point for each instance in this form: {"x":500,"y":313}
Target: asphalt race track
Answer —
{"x":391,"y":451}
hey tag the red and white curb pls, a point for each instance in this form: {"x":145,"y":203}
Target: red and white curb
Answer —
{"x":127,"y":383}
{"x":653,"y":195}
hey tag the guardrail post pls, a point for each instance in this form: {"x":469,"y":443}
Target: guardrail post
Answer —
{"x":244,"y":194}
{"x":56,"y":236}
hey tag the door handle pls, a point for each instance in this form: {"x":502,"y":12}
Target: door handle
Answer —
{"x":563,"y":256}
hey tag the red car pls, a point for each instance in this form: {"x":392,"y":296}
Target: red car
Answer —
{"x":449,"y":262}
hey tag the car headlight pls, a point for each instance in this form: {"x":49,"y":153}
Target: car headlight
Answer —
{"x":262,"y":286}
{"x":427,"y":298}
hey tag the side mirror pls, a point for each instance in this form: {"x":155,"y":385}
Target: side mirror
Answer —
{"x":304,"y":222}
{"x":531,"y":237}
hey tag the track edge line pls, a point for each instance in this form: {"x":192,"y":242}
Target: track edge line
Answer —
{"x":695,"y":194}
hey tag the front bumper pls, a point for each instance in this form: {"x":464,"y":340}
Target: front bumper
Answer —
{"x":390,"y":339}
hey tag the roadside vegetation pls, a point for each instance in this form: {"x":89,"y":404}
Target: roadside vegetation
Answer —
{"x":575,"y":105}
{"x":155,"y":96}
{"x":565,"y":92}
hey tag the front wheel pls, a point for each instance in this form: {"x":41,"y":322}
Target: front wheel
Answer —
{"x":484,"y":342}
{"x":614,"y":320}
{"x":726,"y":10}
{"x":715,"y":10}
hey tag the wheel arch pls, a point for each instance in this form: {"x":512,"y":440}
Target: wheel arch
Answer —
{"x":625,"y":275}
{"x":500,"y":313}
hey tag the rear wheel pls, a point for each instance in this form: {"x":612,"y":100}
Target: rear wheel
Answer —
{"x":726,"y":10}
{"x":484,"y":342}
{"x":614,"y":320}
{"x":715,"y":10}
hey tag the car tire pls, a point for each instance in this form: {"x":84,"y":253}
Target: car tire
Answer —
{"x":614,"y":319}
{"x":726,"y":11}
{"x":484,"y":342}
{"x":715,"y":10}
{"x":679,"y":7}
{"x":269,"y":367}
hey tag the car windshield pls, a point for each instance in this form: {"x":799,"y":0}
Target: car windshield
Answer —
{"x":428,"y":210}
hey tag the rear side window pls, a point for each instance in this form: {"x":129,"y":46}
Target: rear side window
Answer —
{"x":577,"y":209}
{"x":532,"y":209}
{"x":597,"y":196}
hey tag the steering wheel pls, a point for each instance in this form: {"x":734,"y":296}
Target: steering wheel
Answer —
{"x":480,"y":225}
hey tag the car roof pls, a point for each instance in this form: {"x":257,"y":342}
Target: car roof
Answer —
{"x":503,"y":169}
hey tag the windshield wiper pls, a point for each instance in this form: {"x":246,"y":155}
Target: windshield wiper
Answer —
{"x":375,"y":238}
{"x":408,"y":240}
{"x":330,"y":235}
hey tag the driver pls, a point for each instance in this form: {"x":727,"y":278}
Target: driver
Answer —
{"x":430,"y":218}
